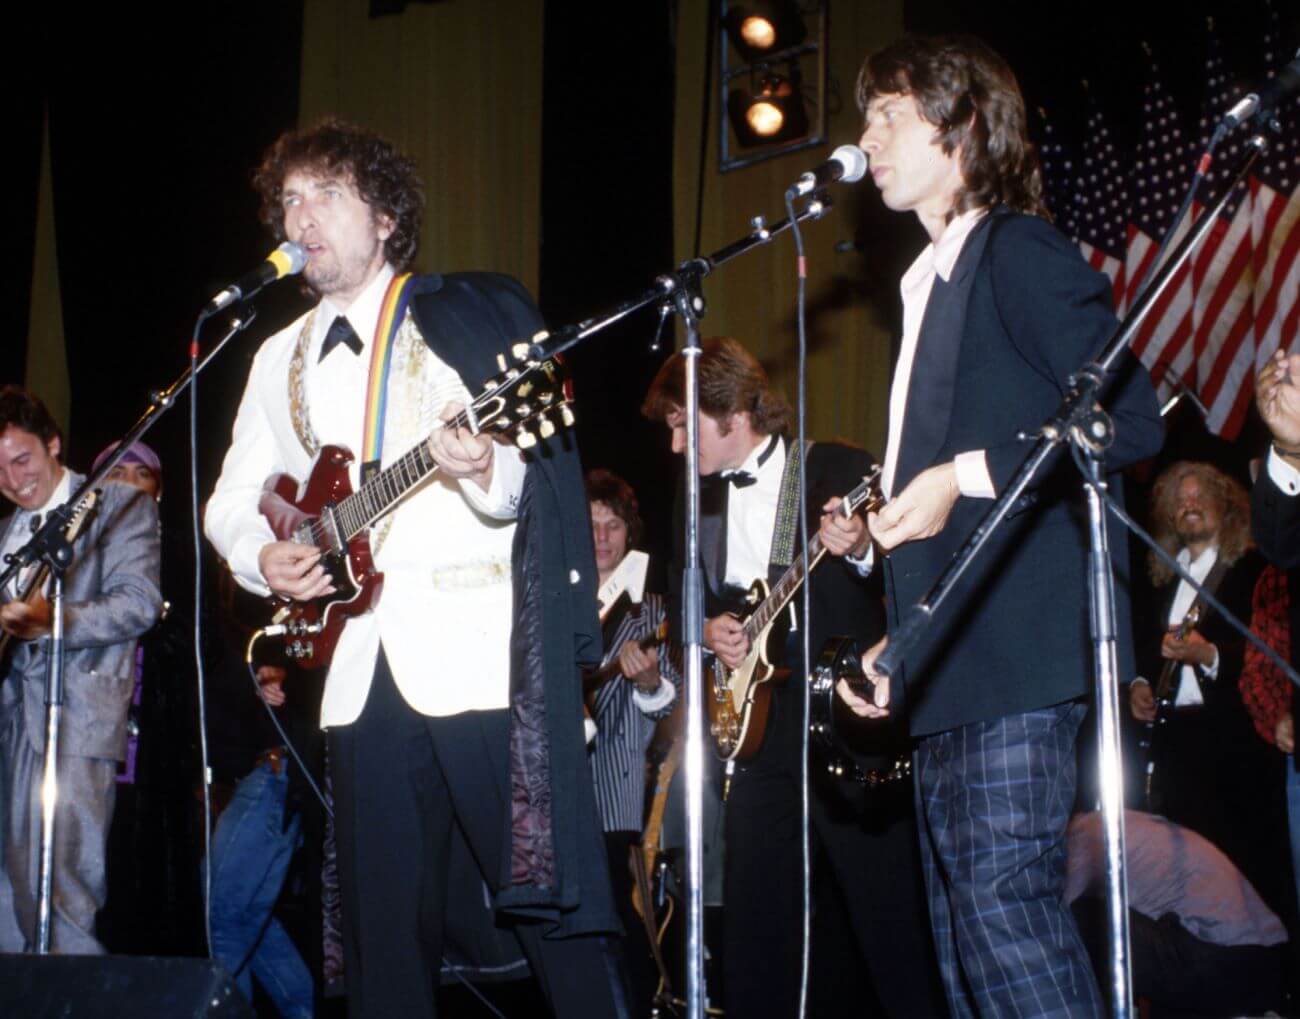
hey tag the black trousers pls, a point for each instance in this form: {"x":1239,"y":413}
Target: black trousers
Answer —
{"x":401,"y":781}
{"x":874,"y":861}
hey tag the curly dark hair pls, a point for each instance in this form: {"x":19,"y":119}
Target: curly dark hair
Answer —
{"x":24,"y":410}
{"x":1232,"y":502}
{"x":731,"y":382}
{"x":971,"y":97}
{"x":384,"y":178}
{"x":608,"y":488}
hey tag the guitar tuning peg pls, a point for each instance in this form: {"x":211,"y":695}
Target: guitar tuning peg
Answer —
{"x":545,"y":427}
{"x":566,"y":415}
{"x":501,"y":362}
{"x":525,"y":439}
{"x":520,"y":351}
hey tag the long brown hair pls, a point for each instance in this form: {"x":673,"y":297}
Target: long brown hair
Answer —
{"x":1230,"y":499}
{"x":971,"y":97}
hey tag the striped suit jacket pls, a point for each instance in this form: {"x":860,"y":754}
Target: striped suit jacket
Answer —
{"x":624,"y":726}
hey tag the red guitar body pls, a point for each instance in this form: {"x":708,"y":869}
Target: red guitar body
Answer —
{"x":313,"y":627}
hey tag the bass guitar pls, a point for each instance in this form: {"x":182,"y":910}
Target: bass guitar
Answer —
{"x":522,"y":402}
{"x":1165,"y":691}
{"x":739,"y":698}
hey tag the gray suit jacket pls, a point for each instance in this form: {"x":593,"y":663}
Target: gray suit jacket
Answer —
{"x":111,"y":597}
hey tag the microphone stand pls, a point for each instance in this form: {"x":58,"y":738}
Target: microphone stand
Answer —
{"x":1080,"y":421}
{"x":49,"y":545}
{"x":679,"y":293}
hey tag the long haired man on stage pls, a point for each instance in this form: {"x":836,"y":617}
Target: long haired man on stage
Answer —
{"x":998,"y":311}
{"x":453,"y":706}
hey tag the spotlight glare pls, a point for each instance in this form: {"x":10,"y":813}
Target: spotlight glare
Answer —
{"x":758,"y":32}
{"x":765,"y":118}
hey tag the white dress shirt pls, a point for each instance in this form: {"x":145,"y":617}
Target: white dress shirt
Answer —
{"x":444,"y":615}
{"x":751,"y":514}
{"x":1286,"y":477}
{"x":1189,"y":687}
{"x":937,"y":259}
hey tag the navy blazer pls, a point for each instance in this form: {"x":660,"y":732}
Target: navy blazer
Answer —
{"x":998,"y":342}
{"x":1275,"y":522}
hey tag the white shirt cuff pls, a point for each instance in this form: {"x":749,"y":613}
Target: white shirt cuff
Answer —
{"x":1211,"y":671}
{"x":866,"y":563}
{"x":973,"y":478}
{"x":1286,"y":477}
{"x":649,"y":703}
{"x":244,"y":566}
{"x":501,"y":500}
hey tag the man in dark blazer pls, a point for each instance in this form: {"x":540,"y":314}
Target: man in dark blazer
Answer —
{"x":1275,"y":510}
{"x":747,"y":462}
{"x":111,"y":597}
{"x":999,"y":310}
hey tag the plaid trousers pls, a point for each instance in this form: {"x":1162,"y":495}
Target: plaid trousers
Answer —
{"x":993,"y":800}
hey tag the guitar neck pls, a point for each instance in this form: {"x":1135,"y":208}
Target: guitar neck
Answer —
{"x":784,"y":590}
{"x":385,"y":490}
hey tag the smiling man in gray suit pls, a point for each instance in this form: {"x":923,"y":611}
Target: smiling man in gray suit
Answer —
{"x":111,"y":597}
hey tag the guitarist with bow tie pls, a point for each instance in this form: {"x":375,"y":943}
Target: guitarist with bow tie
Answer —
{"x":453,"y":701}
{"x":748,"y":531}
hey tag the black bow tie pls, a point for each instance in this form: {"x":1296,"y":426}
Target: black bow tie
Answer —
{"x":740,"y":479}
{"x":341,"y":331}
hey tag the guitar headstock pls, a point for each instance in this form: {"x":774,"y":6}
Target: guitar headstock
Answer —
{"x":866,"y":496}
{"x":526,"y":401}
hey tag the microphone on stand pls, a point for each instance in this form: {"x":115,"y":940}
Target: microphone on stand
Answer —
{"x":1262,"y":102}
{"x":288,"y":259}
{"x":847,"y":164}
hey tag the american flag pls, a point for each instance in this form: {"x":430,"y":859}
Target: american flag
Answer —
{"x":1058,"y":158}
{"x":1239,"y":296}
{"x":1101,"y":200}
{"x":1161,"y":174}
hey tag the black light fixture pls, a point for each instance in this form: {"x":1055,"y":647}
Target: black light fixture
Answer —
{"x":761,"y":28}
{"x":770,"y":111}
{"x":772,"y":65}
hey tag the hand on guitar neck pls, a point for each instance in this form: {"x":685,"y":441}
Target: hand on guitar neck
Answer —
{"x":461,"y":453}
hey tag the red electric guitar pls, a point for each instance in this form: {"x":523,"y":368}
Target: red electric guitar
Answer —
{"x":523,"y":402}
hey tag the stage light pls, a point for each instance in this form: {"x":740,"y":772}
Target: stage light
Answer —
{"x":763,"y":27}
{"x":773,"y":111}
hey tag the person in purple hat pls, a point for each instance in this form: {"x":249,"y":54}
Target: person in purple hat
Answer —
{"x":139,"y":468}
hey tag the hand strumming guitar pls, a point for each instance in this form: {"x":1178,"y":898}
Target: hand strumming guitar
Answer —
{"x":294,"y":571}
{"x":725,"y":636}
{"x":639,"y":666}
{"x":26,"y":620}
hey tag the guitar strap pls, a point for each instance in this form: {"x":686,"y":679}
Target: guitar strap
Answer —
{"x":787,"y":511}
{"x":392,"y":312}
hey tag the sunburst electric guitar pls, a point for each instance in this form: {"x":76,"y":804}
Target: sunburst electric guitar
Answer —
{"x":522,"y":402}
{"x":739,"y":698}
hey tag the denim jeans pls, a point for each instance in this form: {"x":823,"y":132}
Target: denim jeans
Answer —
{"x":251,"y":850}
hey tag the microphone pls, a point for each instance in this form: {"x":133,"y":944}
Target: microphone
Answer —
{"x":286,"y":260}
{"x":847,"y":164}
{"x":1262,"y":102}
